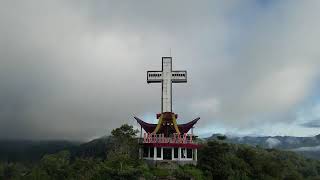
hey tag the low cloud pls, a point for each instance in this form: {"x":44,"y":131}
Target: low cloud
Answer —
{"x":312,"y":124}
{"x":76,"y":70}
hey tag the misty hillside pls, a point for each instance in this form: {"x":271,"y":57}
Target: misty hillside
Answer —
{"x":307,"y":146}
{"x":217,"y":160}
{"x":116,"y":157}
{"x":29,"y":151}
{"x":96,"y":148}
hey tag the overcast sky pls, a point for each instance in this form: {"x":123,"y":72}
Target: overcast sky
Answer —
{"x":77,"y":69}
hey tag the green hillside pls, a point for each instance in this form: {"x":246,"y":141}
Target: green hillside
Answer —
{"x":115,"y":157}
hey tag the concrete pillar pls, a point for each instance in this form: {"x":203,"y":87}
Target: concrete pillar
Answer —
{"x":140,"y":153}
{"x":179,"y":153}
{"x":154,"y":153}
{"x":196,"y":154}
{"x":149,"y":151}
{"x":172,"y":153}
{"x":161,"y":153}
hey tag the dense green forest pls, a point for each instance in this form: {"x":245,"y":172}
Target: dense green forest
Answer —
{"x":116,"y":157}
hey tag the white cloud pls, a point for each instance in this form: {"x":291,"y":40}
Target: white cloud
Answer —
{"x":272,"y":142}
{"x":312,"y":148}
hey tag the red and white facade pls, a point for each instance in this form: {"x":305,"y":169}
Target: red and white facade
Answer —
{"x":179,"y":148}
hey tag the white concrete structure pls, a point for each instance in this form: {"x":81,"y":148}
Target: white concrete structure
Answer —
{"x":166,"y":77}
{"x":178,"y":154}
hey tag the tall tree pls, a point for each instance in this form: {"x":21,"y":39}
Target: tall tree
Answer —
{"x":123,"y":156}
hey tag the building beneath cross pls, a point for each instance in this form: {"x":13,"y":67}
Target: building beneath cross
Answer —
{"x":168,"y":141}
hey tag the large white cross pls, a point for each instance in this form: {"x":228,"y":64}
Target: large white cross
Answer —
{"x":166,"y":77}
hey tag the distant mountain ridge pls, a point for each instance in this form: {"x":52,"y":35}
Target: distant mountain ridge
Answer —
{"x":31,"y":150}
{"x":307,"y":146}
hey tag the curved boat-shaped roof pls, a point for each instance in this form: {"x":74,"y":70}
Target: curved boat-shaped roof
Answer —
{"x":146,"y":126}
{"x":183,"y":128}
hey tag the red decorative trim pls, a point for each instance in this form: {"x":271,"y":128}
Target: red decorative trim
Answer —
{"x":190,"y":146}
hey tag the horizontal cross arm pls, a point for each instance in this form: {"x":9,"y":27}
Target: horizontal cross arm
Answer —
{"x":179,"y":76}
{"x":154,"y":77}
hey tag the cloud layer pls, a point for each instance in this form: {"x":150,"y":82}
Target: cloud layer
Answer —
{"x":76,"y":70}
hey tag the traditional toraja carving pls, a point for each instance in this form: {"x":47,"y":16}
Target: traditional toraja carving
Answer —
{"x":160,"y":138}
{"x":168,"y":140}
{"x":164,"y":121}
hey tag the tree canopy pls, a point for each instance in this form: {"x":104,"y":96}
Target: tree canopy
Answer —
{"x":216,"y":160}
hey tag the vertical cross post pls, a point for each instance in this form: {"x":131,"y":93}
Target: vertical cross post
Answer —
{"x":166,"y":96}
{"x":166,"y":77}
